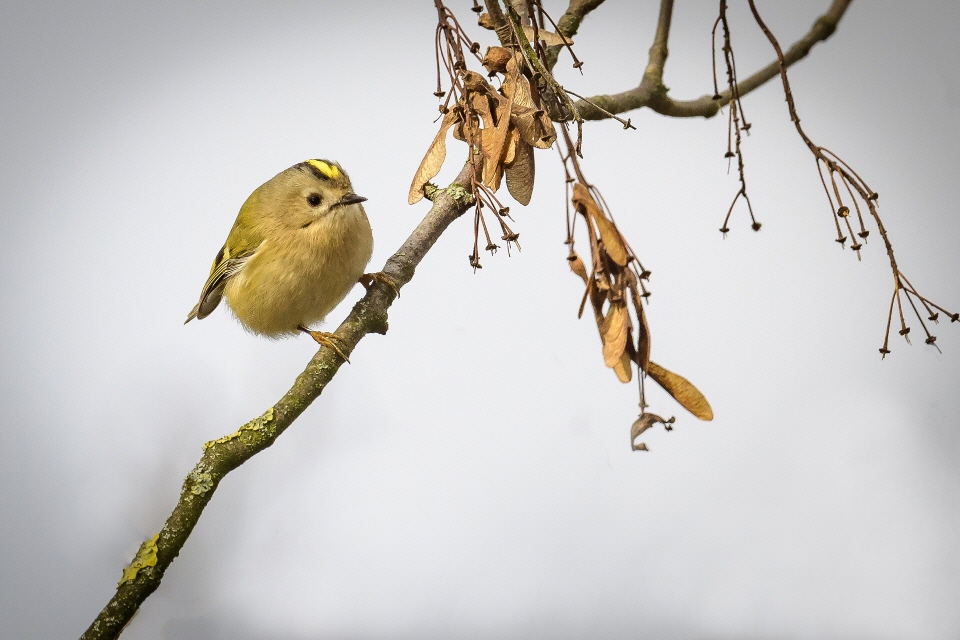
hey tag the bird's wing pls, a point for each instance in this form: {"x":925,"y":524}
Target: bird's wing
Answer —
{"x":223,"y":269}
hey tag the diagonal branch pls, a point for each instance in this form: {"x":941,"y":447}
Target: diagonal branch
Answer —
{"x":654,"y":95}
{"x":221,"y":456}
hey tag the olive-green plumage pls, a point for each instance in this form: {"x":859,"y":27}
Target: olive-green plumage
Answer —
{"x":299,"y":244}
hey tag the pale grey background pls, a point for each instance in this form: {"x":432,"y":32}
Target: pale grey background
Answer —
{"x":470,"y":475}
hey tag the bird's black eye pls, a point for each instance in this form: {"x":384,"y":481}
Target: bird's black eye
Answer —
{"x":313,"y":199}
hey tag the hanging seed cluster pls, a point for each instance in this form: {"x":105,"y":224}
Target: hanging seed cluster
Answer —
{"x":501,"y":127}
{"x":503,"y":116}
{"x":736,"y":120}
{"x":615,"y":285}
{"x":843,"y":186}
{"x":616,"y":280}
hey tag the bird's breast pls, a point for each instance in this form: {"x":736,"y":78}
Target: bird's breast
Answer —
{"x":297,"y":276}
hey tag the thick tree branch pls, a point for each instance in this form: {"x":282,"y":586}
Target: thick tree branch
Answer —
{"x":569,"y":22}
{"x":654,"y":96}
{"x":221,"y":456}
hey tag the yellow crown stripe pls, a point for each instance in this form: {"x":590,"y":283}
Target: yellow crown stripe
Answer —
{"x":329,"y":170}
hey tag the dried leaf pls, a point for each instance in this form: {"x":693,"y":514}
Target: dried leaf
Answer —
{"x":534,"y":125}
{"x":619,"y":288}
{"x":496,"y":59}
{"x":521,"y":94}
{"x":577,"y":266}
{"x":467,"y":128}
{"x":612,"y":240}
{"x":599,"y":294}
{"x":458,"y":132}
{"x":622,"y":368}
{"x":582,"y":199}
{"x":614,"y":333}
{"x":682,"y":391}
{"x":509,"y":89}
{"x":641,"y":424}
{"x":521,"y":172}
{"x":494,"y":111}
{"x":549,"y":133}
{"x":486,"y":21}
{"x":549,"y":38}
{"x":598,"y":287}
{"x":510,"y":154}
{"x":492,"y":164}
{"x":595,"y":250}
{"x":432,"y":161}
{"x":475,"y":82}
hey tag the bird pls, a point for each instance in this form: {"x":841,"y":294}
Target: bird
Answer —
{"x":300,"y":243}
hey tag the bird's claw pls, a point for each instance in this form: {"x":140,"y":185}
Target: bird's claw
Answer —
{"x":368,"y":279}
{"x":328,"y":340}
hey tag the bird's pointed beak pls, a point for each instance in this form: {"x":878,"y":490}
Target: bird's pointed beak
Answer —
{"x":351,"y":198}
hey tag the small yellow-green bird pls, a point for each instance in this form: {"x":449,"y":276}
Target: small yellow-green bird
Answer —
{"x":300,"y":243}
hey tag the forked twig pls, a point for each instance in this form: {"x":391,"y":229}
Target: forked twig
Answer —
{"x":835,"y":168}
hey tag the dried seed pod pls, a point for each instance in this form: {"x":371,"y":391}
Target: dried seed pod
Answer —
{"x":622,"y":368}
{"x":496,"y":59}
{"x":549,"y":38}
{"x":577,"y":266}
{"x":682,"y":391}
{"x":614,"y":333}
{"x":486,"y":21}
{"x":521,"y":172}
{"x":433,"y":160}
{"x":609,"y":235}
{"x":644,"y":422}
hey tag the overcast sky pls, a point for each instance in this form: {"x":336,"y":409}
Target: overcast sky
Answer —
{"x":470,"y":475}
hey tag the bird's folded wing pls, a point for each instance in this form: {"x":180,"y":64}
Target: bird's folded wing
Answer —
{"x":213,"y":288}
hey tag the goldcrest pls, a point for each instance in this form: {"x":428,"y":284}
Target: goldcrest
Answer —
{"x":300,"y":243}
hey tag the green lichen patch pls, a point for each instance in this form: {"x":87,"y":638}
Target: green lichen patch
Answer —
{"x":257,"y":424}
{"x":459,"y":193}
{"x":200,"y":480}
{"x":430,"y":191}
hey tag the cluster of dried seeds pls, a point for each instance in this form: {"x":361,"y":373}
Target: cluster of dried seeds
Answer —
{"x":502,"y":126}
{"x":614,"y":284}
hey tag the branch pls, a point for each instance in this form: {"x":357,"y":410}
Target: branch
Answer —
{"x":654,"y":96}
{"x":221,"y":456}
{"x":500,"y":24}
{"x":569,"y":22}
{"x":568,"y":25}
{"x":653,"y":74}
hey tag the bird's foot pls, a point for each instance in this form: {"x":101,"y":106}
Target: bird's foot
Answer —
{"x":326,"y":339}
{"x":368,"y":279}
